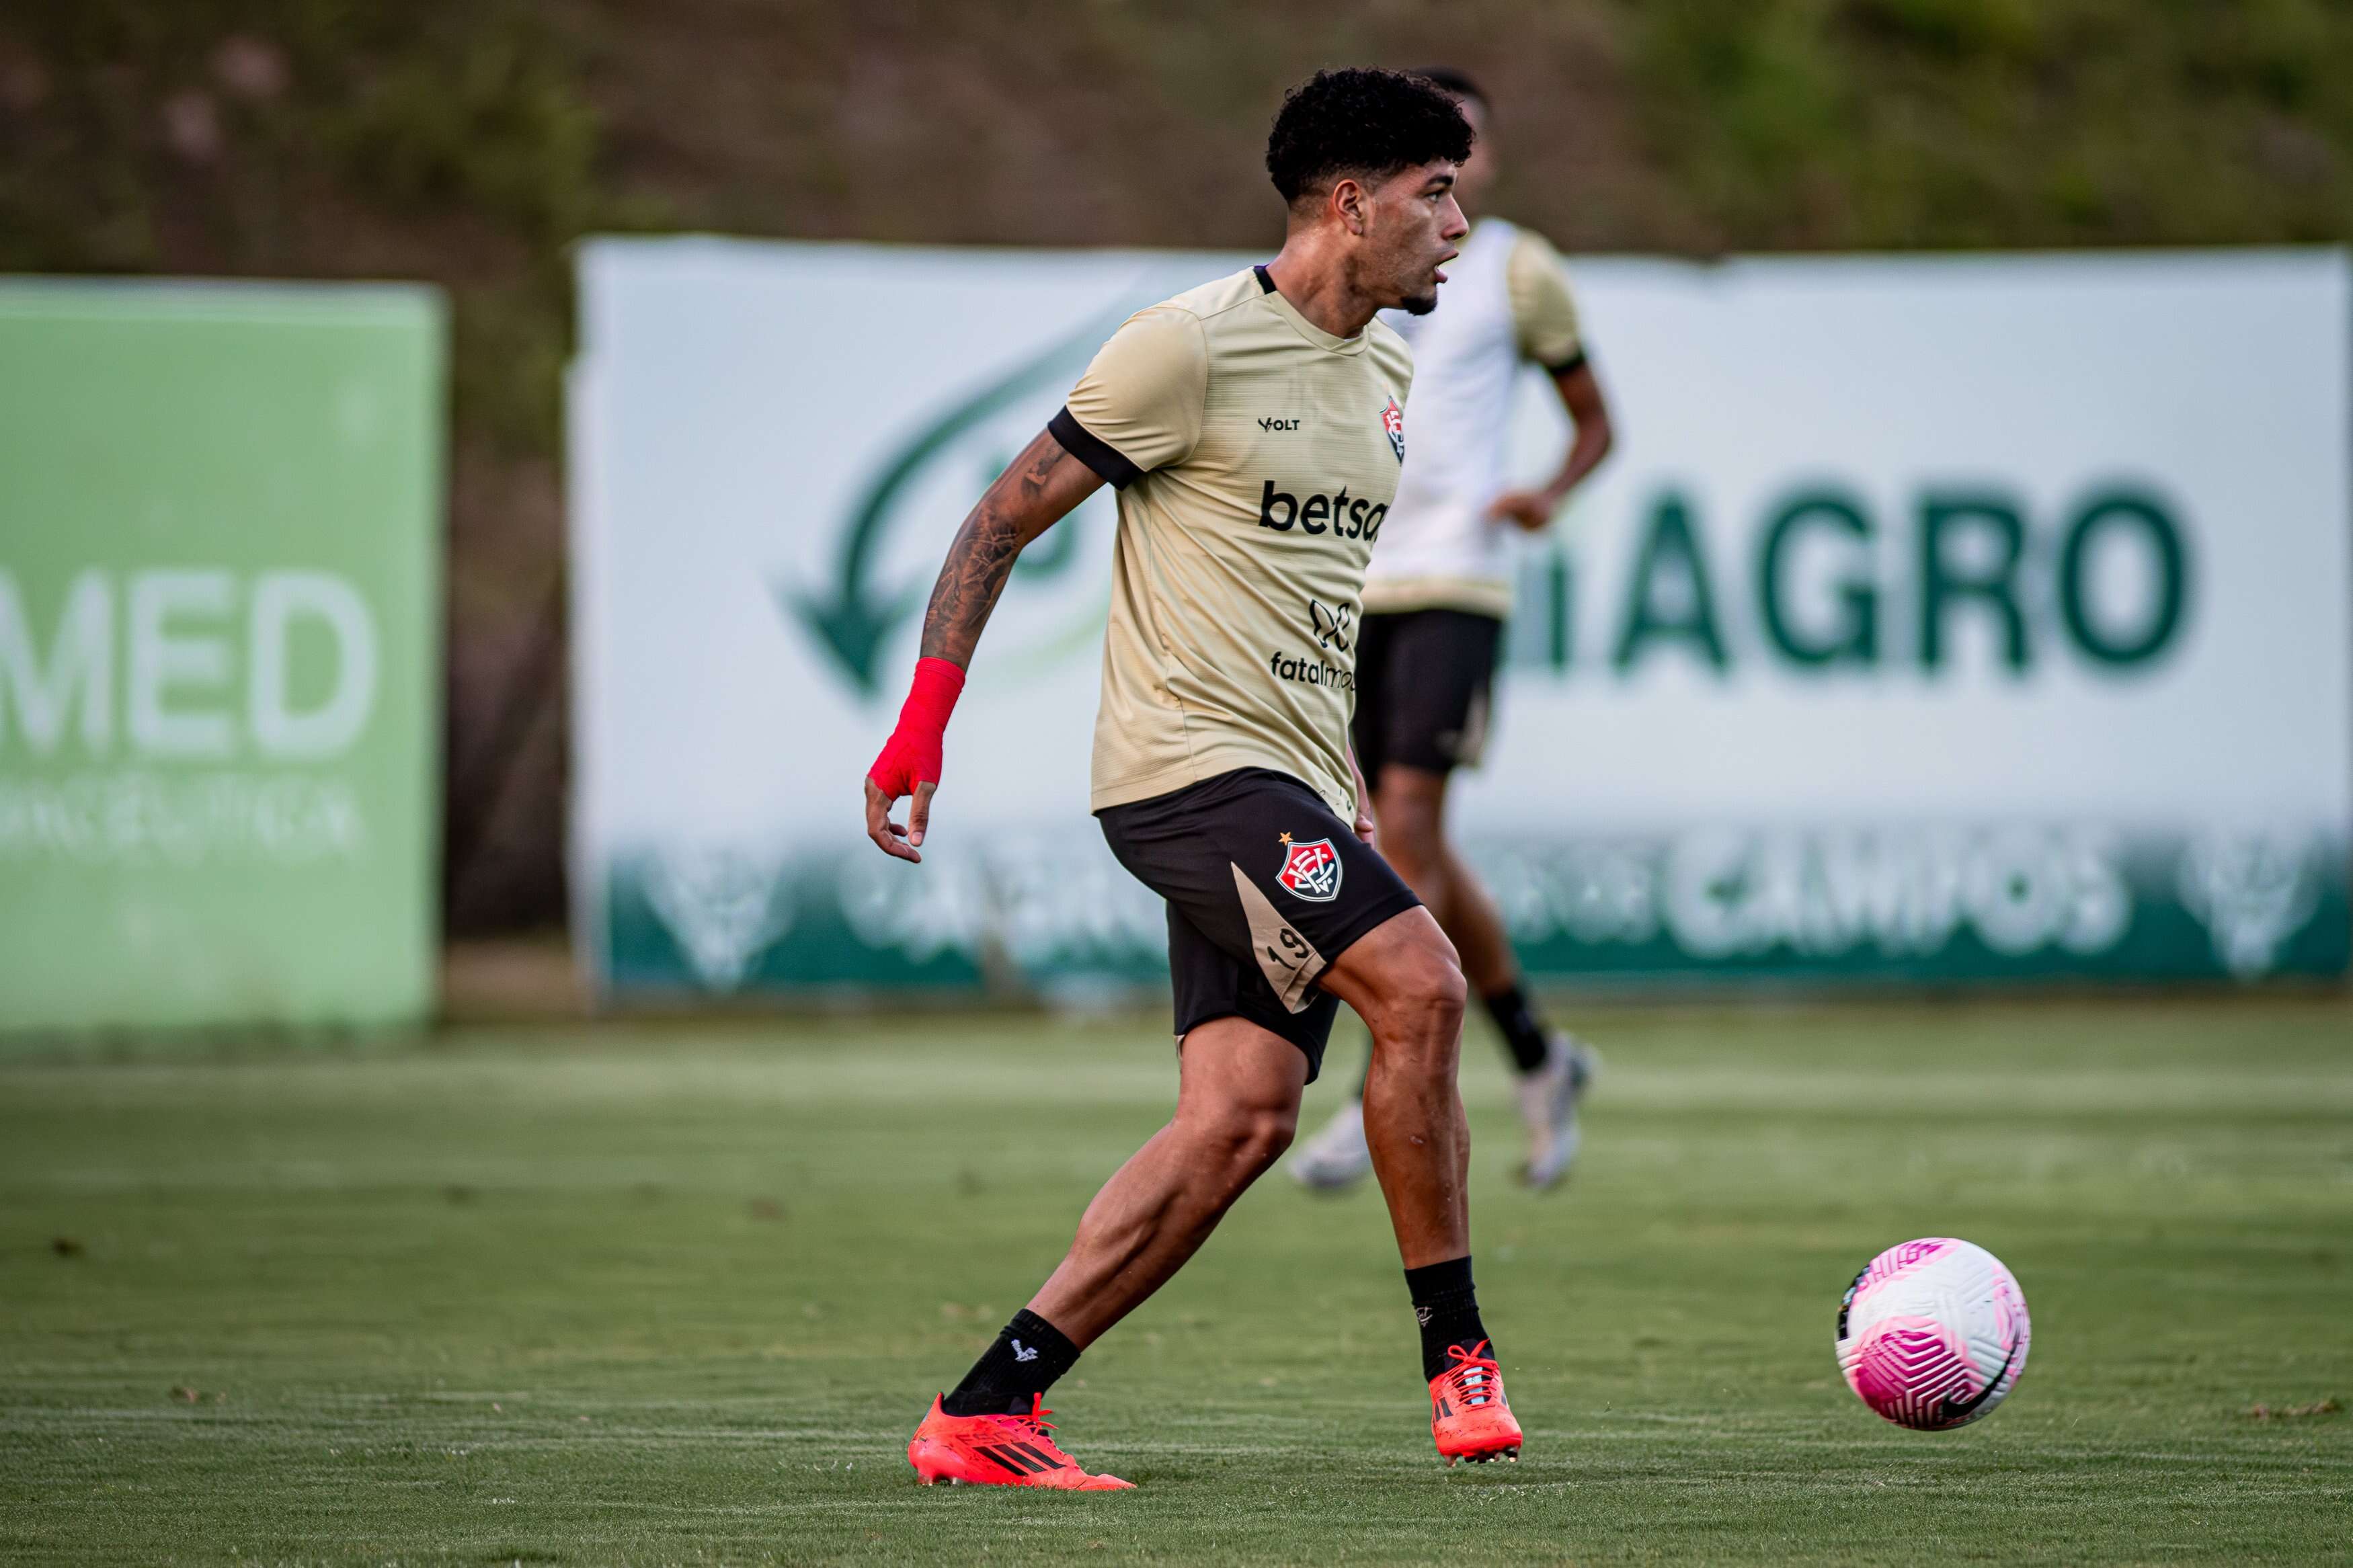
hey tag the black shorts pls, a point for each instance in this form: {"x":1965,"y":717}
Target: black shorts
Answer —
{"x":1265,"y":888}
{"x":1425,"y":690}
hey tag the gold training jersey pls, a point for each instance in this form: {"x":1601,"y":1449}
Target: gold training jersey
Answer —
{"x":1255,"y":456}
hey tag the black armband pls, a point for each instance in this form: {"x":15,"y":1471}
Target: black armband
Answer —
{"x":1092,"y":450}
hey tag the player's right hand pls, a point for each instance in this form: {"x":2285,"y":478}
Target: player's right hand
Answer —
{"x":886,"y":835}
{"x":910,"y":763}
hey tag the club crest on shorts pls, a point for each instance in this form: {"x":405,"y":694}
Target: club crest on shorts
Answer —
{"x":1393,"y":426}
{"x":1311,"y":871}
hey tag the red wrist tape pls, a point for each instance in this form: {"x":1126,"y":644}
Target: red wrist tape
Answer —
{"x":912,"y":755}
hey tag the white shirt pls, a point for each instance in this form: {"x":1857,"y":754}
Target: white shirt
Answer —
{"x":1505,"y":302}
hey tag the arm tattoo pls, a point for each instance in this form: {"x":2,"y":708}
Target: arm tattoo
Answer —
{"x":981,"y":556}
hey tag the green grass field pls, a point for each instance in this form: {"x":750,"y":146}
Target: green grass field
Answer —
{"x":678,"y":1293}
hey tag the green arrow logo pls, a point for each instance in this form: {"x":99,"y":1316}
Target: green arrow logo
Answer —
{"x":851,"y":619}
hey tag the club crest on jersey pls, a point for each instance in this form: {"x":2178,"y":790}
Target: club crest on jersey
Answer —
{"x":1311,"y":871}
{"x":1393,"y":426}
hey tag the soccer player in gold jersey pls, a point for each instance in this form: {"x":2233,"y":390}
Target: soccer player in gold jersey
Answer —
{"x":1254,"y":428}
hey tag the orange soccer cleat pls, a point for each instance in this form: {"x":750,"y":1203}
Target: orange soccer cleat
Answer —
{"x":1469,"y":1414}
{"x":998,"y":1451}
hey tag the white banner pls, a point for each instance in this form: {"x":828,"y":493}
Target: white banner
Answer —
{"x":1965,"y":616}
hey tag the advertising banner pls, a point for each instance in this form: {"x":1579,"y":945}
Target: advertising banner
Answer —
{"x":1935,"y":619}
{"x":219,"y":654}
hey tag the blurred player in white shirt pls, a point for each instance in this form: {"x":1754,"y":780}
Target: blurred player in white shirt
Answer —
{"x":1436,"y":597}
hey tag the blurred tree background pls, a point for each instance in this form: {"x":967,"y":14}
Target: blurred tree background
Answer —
{"x":469,"y":141}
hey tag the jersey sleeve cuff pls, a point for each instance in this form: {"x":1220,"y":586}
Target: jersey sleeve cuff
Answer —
{"x":1092,"y":450}
{"x":1569,"y":366}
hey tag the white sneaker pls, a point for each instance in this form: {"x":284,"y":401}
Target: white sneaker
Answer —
{"x":1337,"y":1156}
{"x":1549,"y":1099}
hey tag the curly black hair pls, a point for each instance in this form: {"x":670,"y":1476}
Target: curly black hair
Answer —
{"x":1362,"y":121}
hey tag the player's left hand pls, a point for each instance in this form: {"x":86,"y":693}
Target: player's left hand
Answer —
{"x":1530,"y":510}
{"x":1367,"y":830}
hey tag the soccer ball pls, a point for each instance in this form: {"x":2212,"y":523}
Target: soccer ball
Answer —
{"x":1933,"y":1334}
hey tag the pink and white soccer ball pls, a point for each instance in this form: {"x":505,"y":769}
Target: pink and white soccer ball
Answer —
{"x":1932,"y":1333}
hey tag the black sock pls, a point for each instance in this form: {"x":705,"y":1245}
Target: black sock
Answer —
{"x":1029,"y":1355}
{"x":1523,"y":1035}
{"x":1448,"y":1309}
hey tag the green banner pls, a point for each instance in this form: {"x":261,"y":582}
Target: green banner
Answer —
{"x":220,"y":653}
{"x":1923,"y":903}
{"x":1971,"y":650}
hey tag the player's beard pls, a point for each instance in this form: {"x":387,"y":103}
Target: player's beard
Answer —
{"x":1418,"y":304}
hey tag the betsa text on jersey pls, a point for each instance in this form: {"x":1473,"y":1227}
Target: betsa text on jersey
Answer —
{"x":1343,"y":518}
